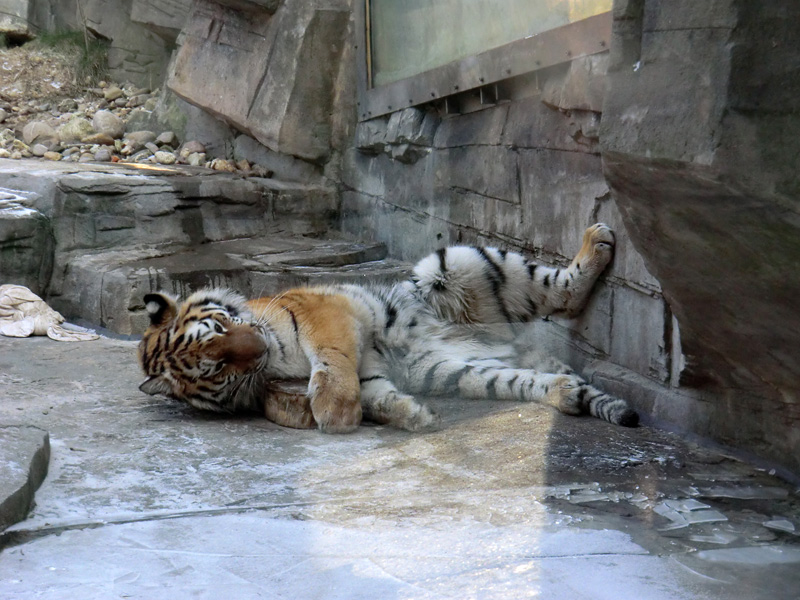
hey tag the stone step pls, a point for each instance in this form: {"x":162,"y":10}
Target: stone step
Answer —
{"x":106,"y":288}
{"x":51,"y":212}
{"x":94,"y":239}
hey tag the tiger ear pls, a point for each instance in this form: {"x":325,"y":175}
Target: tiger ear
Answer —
{"x":161,"y":308}
{"x":155,"y":386}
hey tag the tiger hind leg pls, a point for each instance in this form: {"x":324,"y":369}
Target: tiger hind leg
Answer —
{"x":434,"y":374}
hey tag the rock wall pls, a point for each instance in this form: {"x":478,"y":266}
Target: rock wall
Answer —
{"x":701,"y":134}
{"x":141,"y":33}
{"x":523,"y":174}
{"x":267,"y":70}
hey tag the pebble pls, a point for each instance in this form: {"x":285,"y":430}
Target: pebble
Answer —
{"x":192,"y":147}
{"x":103,"y":155}
{"x":52,"y":155}
{"x":165,"y":158}
{"x":196,"y":159}
{"x":112,"y":93}
{"x":39,"y":149}
{"x":4,"y":153}
{"x":168,"y":138}
{"x":102,"y":139}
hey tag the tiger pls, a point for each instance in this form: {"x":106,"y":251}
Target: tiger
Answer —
{"x":364,"y":352}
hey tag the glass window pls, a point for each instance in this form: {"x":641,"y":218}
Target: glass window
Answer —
{"x":409,"y":37}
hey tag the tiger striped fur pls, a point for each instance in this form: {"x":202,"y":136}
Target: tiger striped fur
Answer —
{"x":366,"y":349}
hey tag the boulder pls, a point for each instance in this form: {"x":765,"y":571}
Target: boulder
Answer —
{"x":106,"y":122}
{"x":75,"y":130}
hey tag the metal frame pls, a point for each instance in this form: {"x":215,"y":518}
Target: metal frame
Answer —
{"x":582,"y":38}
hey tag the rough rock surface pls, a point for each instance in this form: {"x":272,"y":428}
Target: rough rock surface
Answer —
{"x":700,"y":151}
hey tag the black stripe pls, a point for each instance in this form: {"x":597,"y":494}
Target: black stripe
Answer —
{"x":512,"y":380}
{"x":555,"y":277}
{"x":497,"y":279}
{"x":372,"y":378}
{"x":495,"y":267}
{"x":294,"y":321}
{"x":391,"y":315}
{"x":531,"y":270}
{"x":532,"y":307}
{"x":546,"y":280}
{"x":427,"y":382}
{"x":441,"y":252}
{"x":491,"y":392}
{"x":503,"y":253}
{"x":451,"y":383}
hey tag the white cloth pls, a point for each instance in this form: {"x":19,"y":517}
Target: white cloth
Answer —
{"x":23,"y":313}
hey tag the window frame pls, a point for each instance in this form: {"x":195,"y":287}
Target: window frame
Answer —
{"x":562,"y":44}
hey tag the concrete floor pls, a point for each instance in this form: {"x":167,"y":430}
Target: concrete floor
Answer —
{"x":146,"y":498}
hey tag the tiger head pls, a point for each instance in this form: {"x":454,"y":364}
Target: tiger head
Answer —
{"x":203,"y":350}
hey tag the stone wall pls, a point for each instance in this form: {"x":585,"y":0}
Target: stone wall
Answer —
{"x":523,"y":174}
{"x":140,"y":33}
{"x":701,"y":134}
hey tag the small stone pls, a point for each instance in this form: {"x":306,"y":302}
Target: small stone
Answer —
{"x":192,"y":147}
{"x":140,"y":137}
{"x":6,"y":136}
{"x":3,"y":115}
{"x":152,"y":146}
{"x":151,"y":104}
{"x":165,"y":158}
{"x":4,"y":153}
{"x":168,"y":138}
{"x":121,"y":102}
{"x":52,"y":155}
{"x":137,"y":100}
{"x":16,"y":155}
{"x":196,"y":159}
{"x":112,"y":93}
{"x":101,"y":139}
{"x":103,"y":155}
{"x":39,"y":149}
{"x":221,"y":164}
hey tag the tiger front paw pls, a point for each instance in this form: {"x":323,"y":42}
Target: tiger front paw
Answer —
{"x":598,"y":246}
{"x":335,"y":402}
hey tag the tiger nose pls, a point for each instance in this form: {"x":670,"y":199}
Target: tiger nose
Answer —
{"x":240,"y":347}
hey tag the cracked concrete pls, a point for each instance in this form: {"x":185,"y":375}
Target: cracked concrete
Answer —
{"x":505,"y":501}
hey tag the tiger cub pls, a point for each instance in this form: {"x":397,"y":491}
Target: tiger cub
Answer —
{"x":366,"y":349}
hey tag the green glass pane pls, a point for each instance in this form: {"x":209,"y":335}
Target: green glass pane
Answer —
{"x":412,"y":36}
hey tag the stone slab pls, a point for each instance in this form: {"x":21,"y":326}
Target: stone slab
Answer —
{"x":24,"y":459}
{"x":507,"y":499}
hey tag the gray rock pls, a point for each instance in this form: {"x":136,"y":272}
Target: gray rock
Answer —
{"x":192,"y":147}
{"x":103,"y":155}
{"x":39,"y":132}
{"x":39,"y":149}
{"x":75,"y":130}
{"x":112,"y":93}
{"x":106,"y":122}
{"x":167,"y":138}
{"x":152,"y":146}
{"x":140,"y":138}
{"x":3,"y":115}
